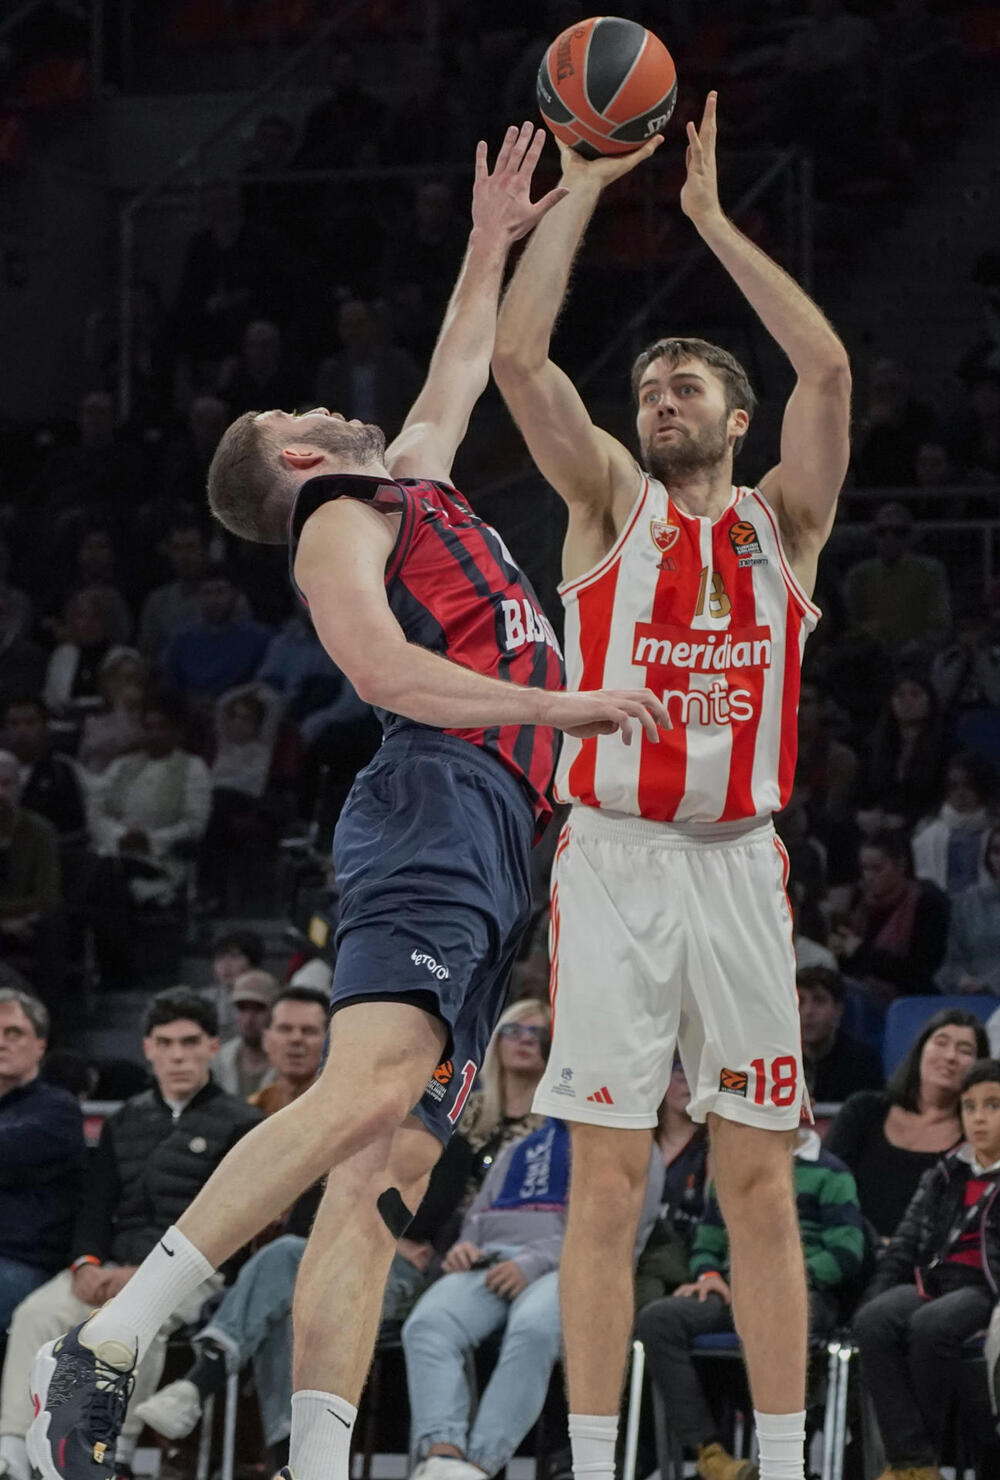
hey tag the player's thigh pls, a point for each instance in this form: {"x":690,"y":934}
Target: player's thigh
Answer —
{"x":741,"y":1040}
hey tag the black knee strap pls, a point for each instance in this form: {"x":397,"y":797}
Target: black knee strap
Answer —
{"x":395,"y":1214}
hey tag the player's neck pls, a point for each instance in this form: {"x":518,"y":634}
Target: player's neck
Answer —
{"x":703,"y":495}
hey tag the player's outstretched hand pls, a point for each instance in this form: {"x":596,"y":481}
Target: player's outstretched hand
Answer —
{"x":600,"y":172}
{"x":700,"y":191}
{"x":501,"y":198}
{"x":603,"y":711}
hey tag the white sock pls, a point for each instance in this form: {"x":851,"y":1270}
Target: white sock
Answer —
{"x":592,"y":1438}
{"x":320,"y":1444}
{"x":14,"y":1450}
{"x":782,"y":1440}
{"x":167,"y":1276}
{"x":125,"y":1449}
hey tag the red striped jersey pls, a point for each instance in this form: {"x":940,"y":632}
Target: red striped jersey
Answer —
{"x":455,"y":589}
{"x":711,"y":618}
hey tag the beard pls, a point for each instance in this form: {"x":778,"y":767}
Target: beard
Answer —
{"x":359,"y":445}
{"x":688,"y":453}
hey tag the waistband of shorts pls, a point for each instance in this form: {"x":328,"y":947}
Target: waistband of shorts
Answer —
{"x":623,"y":827}
{"x":416,"y":740}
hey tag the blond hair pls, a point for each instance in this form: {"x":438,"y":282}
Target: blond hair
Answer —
{"x":492,"y":1076}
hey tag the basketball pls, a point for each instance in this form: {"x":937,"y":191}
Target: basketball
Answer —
{"x":606,"y":85}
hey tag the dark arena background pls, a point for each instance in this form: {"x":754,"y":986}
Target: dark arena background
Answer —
{"x":210,"y":206}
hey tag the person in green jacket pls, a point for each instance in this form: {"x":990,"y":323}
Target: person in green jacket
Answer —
{"x":834,"y":1246}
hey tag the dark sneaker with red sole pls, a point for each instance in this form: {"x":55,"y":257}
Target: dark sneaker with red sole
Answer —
{"x":80,"y":1394}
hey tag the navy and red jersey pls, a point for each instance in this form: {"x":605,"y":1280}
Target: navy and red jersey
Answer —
{"x":455,"y":589}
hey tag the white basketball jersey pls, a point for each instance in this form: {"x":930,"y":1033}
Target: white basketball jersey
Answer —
{"x":711,"y":618}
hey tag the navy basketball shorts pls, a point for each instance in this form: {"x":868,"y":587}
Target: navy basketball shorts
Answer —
{"x":432,"y":857}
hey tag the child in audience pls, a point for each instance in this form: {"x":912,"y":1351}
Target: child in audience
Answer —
{"x":935,"y":1287}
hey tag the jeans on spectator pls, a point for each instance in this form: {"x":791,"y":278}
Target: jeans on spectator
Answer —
{"x":448,"y":1322}
{"x":909,"y":1348}
{"x":52,"y":1309}
{"x":17,"y":1281}
{"x":667,"y":1329}
{"x":254,"y":1323}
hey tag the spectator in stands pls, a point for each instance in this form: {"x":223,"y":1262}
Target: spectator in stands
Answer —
{"x":893,"y":938}
{"x":367,"y":378}
{"x":501,"y":1276}
{"x":261,"y":374}
{"x":175,"y":605}
{"x":906,"y":762}
{"x":233,"y":953}
{"x":972,"y":957}
{"x":117,"y":729}
{"x":30,"y":888}
{"x":900,"y":597}
{"x":826,"y":780}
{"x":16,"y":603}
{"x":833,"y":1246}
{"x":966,"y":678}
{"x":74,"y":1072}
{"x":221,"y":649}
{"x":683,"y":1145}
{"x":41,"y":1169}
{"x":836,"y":1064}
{"x":421,"y":263}
{"x":49,"y":784}
{"x":186,"y":456}
{"x":950,"y":849}
{"x":935,"y":1286}
{"x":499,"y":1109}
{"x":242,"y":1065}
{"x":243,"y":821}
{"x":346,"y":123}
{"x":891,"y":427}
{"x":22,"y":662}
{"x":293,"y":1042}
{"x":72,"y":678}
{"x":95,"y":568}
{"x":99,"y":471}
{"x":153,"y":1157}
{"x":298,"y":667}
{"x":890,"y":1138}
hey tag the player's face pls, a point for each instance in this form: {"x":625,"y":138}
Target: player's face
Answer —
{"x":682,"y":421}
{"x":345,"y":443}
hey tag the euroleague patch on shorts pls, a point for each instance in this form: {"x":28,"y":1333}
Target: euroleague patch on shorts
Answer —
{"x":437,"y":1085}
{"x":734,"y":1082}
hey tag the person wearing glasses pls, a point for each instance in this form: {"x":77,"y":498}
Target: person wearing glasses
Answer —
{"x":897,"y":595}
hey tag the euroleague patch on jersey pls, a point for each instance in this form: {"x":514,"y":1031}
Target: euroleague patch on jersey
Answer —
{"x":743,"y":538}
{"x":663,"y":534}
{"x":437,"y":1085}
{"x":734,"y":1082}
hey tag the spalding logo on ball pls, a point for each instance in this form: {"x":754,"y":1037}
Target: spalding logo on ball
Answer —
{"x":606,"y":85}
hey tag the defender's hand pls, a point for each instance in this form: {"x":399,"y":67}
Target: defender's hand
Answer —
{"x":501,"y":200}
{"x":600,"y":172}
{"x":603,"y":711}
{"x":700,"y":191}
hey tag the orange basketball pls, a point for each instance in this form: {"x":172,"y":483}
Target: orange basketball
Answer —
{"x":606,"y":85}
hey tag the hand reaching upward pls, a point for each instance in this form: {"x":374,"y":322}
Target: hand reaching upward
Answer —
{"x":501,"y":198}
{"x":700,"y":191}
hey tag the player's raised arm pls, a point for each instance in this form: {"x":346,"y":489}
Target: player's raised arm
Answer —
{"x":340,"y":569}
{"x":804,"y":487}
{"x":502,"y":212}
{"x":584,"y":464}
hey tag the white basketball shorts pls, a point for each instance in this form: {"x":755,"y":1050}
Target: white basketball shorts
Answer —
{"x":661,"y":938}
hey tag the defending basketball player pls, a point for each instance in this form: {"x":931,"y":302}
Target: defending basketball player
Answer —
{"x":669,"y":916}
{"x":423,"y":607}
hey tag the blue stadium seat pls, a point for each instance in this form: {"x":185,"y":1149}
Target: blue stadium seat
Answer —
{"x":907,"y":1015}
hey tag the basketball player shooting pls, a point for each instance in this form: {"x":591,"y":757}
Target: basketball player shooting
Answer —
{"x":423,"y":607}
{"x":670,"y":922}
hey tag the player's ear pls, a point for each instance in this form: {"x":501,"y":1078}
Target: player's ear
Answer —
{"x":739,"y":423}
{"x":302,"y":458}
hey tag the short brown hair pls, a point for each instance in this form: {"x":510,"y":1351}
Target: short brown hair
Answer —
{"x":739,"y":392}
{"x":248,"y":490}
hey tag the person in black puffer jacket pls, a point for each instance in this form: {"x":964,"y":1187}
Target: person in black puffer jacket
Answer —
{"x":154,"y":1156}
{"x":936,"y":1286}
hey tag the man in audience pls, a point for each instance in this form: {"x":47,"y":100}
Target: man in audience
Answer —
{"x":41,"y":1160}
{"x":233,"y":953}
{"x":50,"y":785}
{"x":836,"y":1065}
{"x":261,"y":375}
{"x":243,"y":1066}
{"x":833,"y":1245}
{"x":175,"y":604}
{"x":367,"y":379}
{"x":30,"y":886}
{"x":293,"y":1042}
{"x":501,"y":1276}
{"x":222,"y":648}
{"x":153,"y":1157}
{"x":900,"y":597}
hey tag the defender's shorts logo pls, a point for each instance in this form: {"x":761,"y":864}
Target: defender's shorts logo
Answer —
{"x":420,"y":958}
{"x":734,"y":1082}
{"x":444,"y":1072}
{"x":663,"y":534}
{"x":743,"y":538}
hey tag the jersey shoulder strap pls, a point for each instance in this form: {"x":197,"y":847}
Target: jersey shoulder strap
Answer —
{"x":382,"y":493}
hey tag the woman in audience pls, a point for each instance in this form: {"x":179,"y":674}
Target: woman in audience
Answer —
{"x":499,"y":1111}
{"x":892,"y":938}
{"x":118,"y":730}
{"x":906,"y":759}
{"x":950,"y":849}
{"x":71,"y":681}
{"x":889,"y":1138}
{"x":935,"y":1286}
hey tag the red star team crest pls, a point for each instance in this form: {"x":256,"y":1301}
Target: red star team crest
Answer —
{"x":663,"y":534}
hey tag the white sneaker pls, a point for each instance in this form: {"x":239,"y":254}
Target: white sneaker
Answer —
{"x":13,"y":1459}
{"x":446,"y":1467}
{"x":174,"y":1411}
